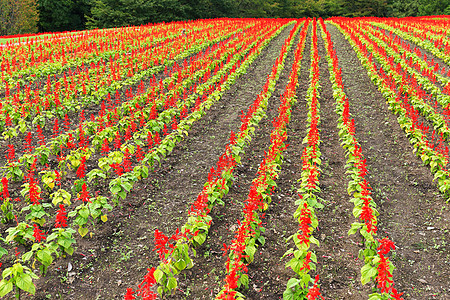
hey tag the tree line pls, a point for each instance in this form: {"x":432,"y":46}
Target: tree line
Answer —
{"x":31,"y":16}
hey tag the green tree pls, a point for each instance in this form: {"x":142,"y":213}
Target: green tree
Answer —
{"x":254,"y":8}
{"x":433,"y":7}
{"x":332,"y":8}
{"x":63,"y":15}
{"x":309,"y":9}
{"x":18,"y":17}
{"x":115,"y":13}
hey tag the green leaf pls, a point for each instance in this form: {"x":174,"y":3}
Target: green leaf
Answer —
{"x":244,"y":280}
{"x":158,"y":274}
{"x":295,"y":264}
{"x":24,"y":282}
{"x":180,"y":264}
{"x":123,"y":194}
{"x":292,"y":283}
{"x":200,"y":238}
{"x":288,"y":294}
{"x":83,"y":231}
{"x":44,"y":257}
{"x":69,"y":250}
{"x":172,"y":283}
{"x":355,"y":227}
{"x":367,"y":272}
{"x":84,"y":212}
{"x":3,"y":251}
{"x":5,"y":287}
{"x":127,"y":186}
{"x":27,"y":256}
{"x":115,"y":189}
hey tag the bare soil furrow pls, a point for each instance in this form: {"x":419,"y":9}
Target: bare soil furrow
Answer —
{"x":162,"y":200}
{"x":206,"y":279}
{"x":412,"y":212}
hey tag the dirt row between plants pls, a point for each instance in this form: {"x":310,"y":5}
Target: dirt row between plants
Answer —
{"x":412,"y":212}
{"x":119,"y":254}
{"x":205,"y":280}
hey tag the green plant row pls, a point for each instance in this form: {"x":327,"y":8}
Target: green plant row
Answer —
{"x":28,"y":73}
{"x":303,"y":260}
{"x":196,"y":229}
{"x":91,"y":94}
{"x":177,"y":135}
{"x":429,"y":156}
{"x":423,"y":43}
{"x":375,"y":263}
{"x":249,"y":236}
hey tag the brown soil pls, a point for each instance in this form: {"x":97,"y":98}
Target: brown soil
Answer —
{"x":412,"y":212}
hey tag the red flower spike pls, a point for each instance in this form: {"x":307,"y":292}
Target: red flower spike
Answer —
{"x":82,"y":168}
{"x":105,"y":148}
{"x":384,"y":277}
{"x":38,"y":234}
{"x":385,"y":246}
{"x":61,"y":217}
{"x":129,"y":295}
{"x":148,"y":282}
{"x":10,"y":153}
{"x":5,"y":188}
{"x":84,"y":195}
{"x":117,"y":141}
{"x":396,"y":295}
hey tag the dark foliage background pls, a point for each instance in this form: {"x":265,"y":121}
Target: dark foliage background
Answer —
{"x":64,"y":15}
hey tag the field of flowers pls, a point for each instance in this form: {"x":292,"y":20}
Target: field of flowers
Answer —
{"x":228,"y":159}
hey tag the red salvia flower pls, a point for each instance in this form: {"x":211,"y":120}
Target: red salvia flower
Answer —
{"x":396,"y":295}
{"x":10,"y":153}
{"x":126,"y":164}
{"x":33,"y":192}
{"x":314,"y":292}
{"x":117,"y":168}
{"x":38,"y":234}
{"x":306,"y":262}
{"x":81,"y":137}
{"x":82,"y":117}
{"x":231,"y":280}
{"x":160,"y":244}
{"x":55,"y":128}
{"x":139,"y":153}
{"x":105,"y":148}
{"x":149,"y":139}
{"x":384,"y":277}
{"x":304,"y":222}
{"x":5,"y":188}
{"x":117,"y":141}
{"x":81,"y":171}
{"x":28,"y":141}
{"x":84,"y":195}
{"x":66,"y":122}
{"x":8,"y":120}
{"x":385,"y":246}
{"x":41,"y":136}
{"x":127,"y":133}
{"x":148,"y":282}
{"x":129,"y":294}
{"x":368,"y":217}
{"x":174,"y":124}
{"x":157,"y":139}
{"x":61,"y":217}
